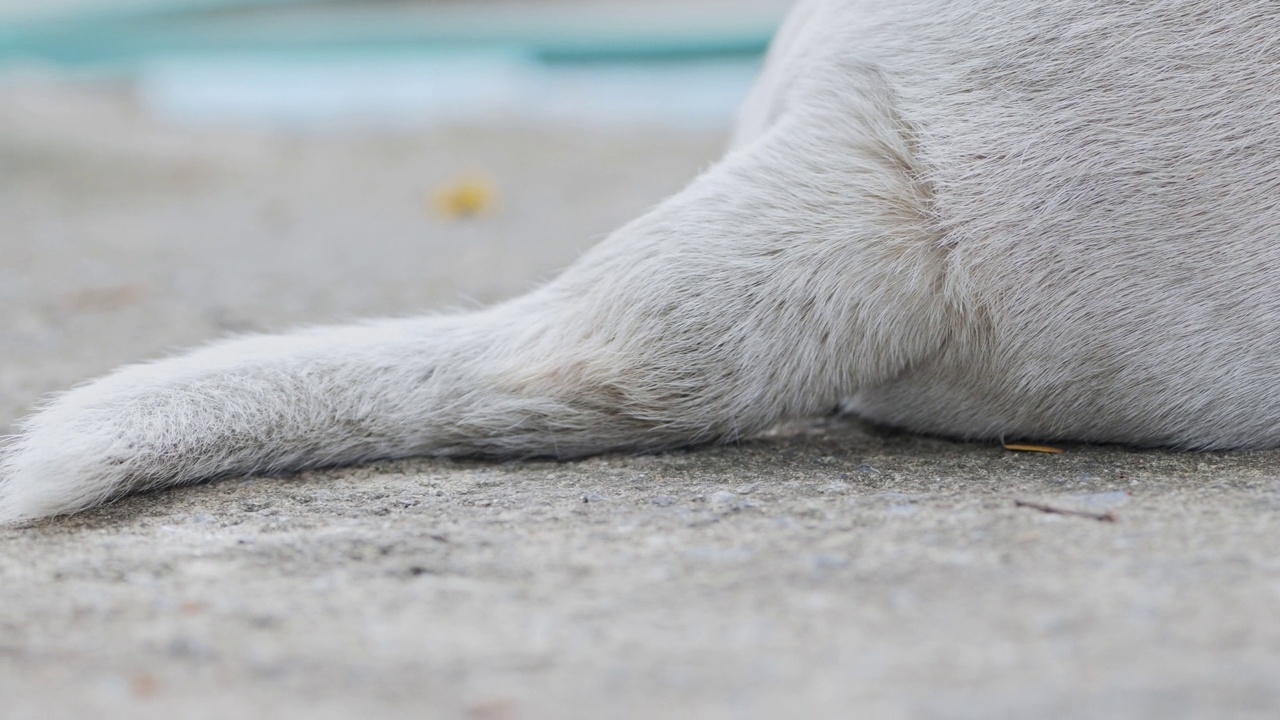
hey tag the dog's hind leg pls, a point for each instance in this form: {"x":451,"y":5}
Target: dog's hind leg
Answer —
{"x":780,"y":281}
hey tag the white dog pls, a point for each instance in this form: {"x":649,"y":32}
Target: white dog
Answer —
{"x":981,"y":218}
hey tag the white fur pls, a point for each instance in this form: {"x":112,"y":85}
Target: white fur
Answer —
{"x":1028,"y":218}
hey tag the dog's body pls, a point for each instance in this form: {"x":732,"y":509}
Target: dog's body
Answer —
{"x":982,"y":218}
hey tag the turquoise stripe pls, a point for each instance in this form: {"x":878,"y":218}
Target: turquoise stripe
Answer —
{"x":166,"y":29}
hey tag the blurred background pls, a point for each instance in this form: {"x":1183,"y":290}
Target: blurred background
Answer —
{"x":386,"y":62}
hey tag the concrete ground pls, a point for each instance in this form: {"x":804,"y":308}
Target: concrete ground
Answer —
{"x":829,"y":569}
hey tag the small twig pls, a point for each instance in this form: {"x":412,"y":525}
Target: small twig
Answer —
{"x":1107,"y":516}
{"x":1018,"y":447}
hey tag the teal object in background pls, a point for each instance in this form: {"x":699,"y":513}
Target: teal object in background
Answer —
{"x":317,"y":63}
{"x":124,"y":33}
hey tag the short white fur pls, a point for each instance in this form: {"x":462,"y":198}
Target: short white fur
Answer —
{"x":980,"y":218}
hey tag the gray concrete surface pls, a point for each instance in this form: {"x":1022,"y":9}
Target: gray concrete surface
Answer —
{"x":829,"y":569}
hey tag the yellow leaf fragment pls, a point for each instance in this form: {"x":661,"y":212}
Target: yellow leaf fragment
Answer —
{"x":465,"y":197}
{"x":1032,"y":448}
